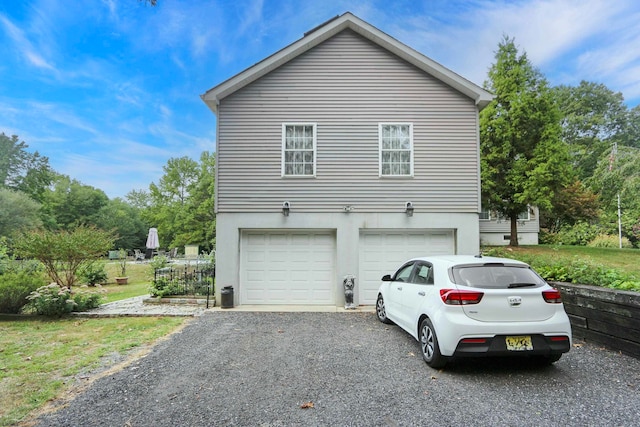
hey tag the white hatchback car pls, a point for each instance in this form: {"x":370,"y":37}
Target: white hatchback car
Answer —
{"x":463,"y":305}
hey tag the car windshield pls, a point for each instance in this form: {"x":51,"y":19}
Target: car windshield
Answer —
{"x":496,"y":276}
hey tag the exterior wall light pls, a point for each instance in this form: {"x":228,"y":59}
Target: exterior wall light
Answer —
{"x":348,"y":208}
{"x":285,"y":208}
{"x":409,"y":209}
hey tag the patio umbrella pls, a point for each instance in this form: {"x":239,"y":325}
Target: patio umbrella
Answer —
{"x":152,"y":240}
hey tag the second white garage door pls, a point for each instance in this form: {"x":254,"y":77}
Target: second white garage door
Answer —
{"x":288,"y":267}
{"x":382,"y":252}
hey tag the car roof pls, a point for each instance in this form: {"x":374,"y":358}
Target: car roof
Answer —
{"x":453,"y":260}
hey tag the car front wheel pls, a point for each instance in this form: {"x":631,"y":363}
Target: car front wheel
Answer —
{"x":381,"y":311}
{"x":429,"y":346}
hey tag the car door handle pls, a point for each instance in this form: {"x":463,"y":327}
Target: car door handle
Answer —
{"x":399,"y":288}
{"x":421,"y":293}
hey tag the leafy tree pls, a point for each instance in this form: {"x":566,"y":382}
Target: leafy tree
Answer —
{"x":180,"y":174}
{"x":593,"y":117}
{"x":125,"y":221}
{"x":523,"y":160}
{"x":64,"y":253}
{"x":169,"y":199}
{"x":631,"y":134}
{"x":571,"y":205}
{"x":18,"y":212}
{"x":139,"y":199}
{"x":21,"y":170}
{"x":71,"y":203}
{"x":201,"y":218}
{"x":619,"y":174}
{"x":180,"y":205}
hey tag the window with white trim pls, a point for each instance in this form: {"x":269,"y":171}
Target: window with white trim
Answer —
{"x":522,"y":216}
{"x":396,"y":149}
{"x":485,"y":215}
{"x":299,"y":149}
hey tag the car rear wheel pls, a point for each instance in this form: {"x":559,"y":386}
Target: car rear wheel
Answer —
{"x":381,"y":311}
{"x":429,"y":346}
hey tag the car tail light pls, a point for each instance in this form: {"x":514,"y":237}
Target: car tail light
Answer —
{"x":552,"y":296}
{"x":559,"y":338}
{"x":456,"y":297}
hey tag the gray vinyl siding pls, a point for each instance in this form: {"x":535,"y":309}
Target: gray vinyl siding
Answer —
{"x":532,"y":225}
{"x":347,"y":86}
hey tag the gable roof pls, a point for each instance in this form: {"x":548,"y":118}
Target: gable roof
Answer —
{"x":329,"y":29}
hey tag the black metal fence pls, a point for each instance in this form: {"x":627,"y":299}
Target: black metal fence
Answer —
{"x":187,"y":280}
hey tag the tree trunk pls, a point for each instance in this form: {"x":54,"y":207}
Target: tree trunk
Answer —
{"x":513,"y":238}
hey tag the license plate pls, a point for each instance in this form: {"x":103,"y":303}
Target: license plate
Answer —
{"x":521,"y":343}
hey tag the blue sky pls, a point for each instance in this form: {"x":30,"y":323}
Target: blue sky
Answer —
{"x":110,"y":90}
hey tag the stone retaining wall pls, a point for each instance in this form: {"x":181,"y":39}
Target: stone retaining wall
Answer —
{"x":606,"y":316}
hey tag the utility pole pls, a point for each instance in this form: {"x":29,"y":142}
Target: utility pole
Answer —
{"x":614,"y":151}
{"x":619,"y":223}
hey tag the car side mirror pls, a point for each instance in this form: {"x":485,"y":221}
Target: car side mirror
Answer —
{"x":387,"y":278}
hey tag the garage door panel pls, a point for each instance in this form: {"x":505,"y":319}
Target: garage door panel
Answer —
{"x":295,"y":267}
{"x":382,"y":252}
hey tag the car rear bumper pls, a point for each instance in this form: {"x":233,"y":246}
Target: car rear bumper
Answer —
{"x":454,"y":327}
{"x":497,"y":346}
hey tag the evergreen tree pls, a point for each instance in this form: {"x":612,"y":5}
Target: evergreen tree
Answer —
{"x":523,"y":159}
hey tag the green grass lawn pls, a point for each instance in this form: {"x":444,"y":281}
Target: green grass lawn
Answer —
{"x":41,"y":358}
{"x":139,"y":274}
{"x":626,"y":260}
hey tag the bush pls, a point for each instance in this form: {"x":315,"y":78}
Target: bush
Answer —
{"x":93,"y":274}
{"x":56,"y":300}
{"x":158,"y":262}
{"x":51,"y":300}
{"x":162,"y":287}
{"x":609,"y":241}
{"x":86,"y":300}
{"x":15,"y":287}
{"x":579,"y":234}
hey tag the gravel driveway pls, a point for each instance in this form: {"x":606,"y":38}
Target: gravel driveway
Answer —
{"x":262,"y":369}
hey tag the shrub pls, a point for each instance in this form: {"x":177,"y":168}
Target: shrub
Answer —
{"x":158,"y":262}
{"x":56,"y":300}
{"x":51,"y":300}
{"x":63,"y":252}
{"x":93,"y":274}
{"x":579,"y":234}
{"x":86,"y":299}
{"x":162,"y":287}
{"x":609,"y":241}
{"x":15,"y":287}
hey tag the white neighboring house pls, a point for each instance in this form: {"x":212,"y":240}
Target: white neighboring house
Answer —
{"x":345,"y":153}
{"x":496,"y":230}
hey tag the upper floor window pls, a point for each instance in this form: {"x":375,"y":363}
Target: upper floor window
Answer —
{"x":396,"y":149}
{"x":299,"y":149}
{"x":485,"y":215}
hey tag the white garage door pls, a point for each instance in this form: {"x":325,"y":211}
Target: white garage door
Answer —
{"x":382,"y":252}
{"x":286,"y":267}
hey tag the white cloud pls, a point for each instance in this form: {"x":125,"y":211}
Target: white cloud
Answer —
{"x":24,"y":46}
{"x":603,"y":34}
{"x":61,"y":115}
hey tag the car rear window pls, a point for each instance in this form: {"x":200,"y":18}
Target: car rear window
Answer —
{"x":496,"y":276}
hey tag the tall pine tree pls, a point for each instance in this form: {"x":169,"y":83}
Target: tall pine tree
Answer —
{"x":523,"y":159}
